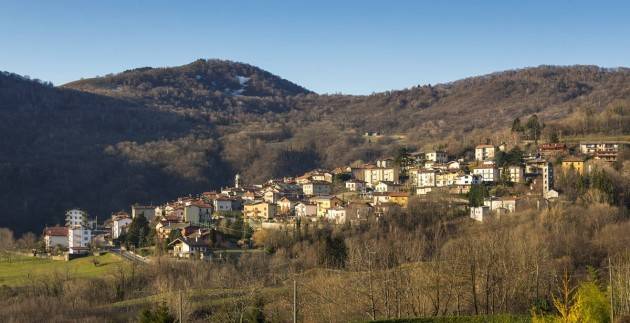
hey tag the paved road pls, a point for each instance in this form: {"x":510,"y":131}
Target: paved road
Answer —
{"x":130,"y":256}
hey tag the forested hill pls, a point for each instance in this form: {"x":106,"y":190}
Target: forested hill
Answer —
{"x":151,"y":134}
{"x":201,"y":84}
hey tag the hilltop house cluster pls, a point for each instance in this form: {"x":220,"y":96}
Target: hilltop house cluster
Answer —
{"x":348,"y":195}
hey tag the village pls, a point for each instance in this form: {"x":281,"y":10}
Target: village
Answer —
{"x":489,"y":182}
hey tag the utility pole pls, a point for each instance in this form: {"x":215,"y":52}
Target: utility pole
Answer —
{"x":180,"y":307}
{"x":294,"y":301}
{"x":612,"y":295}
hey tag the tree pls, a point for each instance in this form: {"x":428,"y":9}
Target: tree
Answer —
{"x":476,"y":195}
{"x":533,"y":127}
{"x":517,"y":126}
{"x":138,"y":232}
{"x":160,"y":315}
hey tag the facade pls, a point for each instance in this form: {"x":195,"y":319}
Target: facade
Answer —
{"x":147,"y":210}
{"x":305,"y":209}
{"x":426,"y":178}
{"x":387,"y":187}
{"x":286,"y":205}
{"x":468,"y":179}
{"x":385,"y":163}
{"x":260,"y":210}
{"x":355,"y":185}
{"x":547,"y":184}
{"x":316,"y":188}
{"x":446,"y":179}
{"x":484,"y":152}
{"x":591,"y":148}
{"x":55,"y":237}
{"x":76,"y":217}
{"x":574,"y":163}
{"x":324,"y":203}
{"x":436,"y":156}
{"x":487,"y":173}
{"x":516,"y":174}
{"x":336,"y":215}
{"x":480,"y":213}
{"x":120,"y":221}
{"x":222,"y":204}
{"x":373,"y":175}
{"x":552,"y":149}
{"x":79,"y":238}
{"x":187,"y":248}
{"x":501,"y":205}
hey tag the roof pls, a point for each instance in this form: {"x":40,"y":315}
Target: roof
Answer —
{"x":484,"y":146}
{"x":398,"y":194}
{"x":56,"y":231}
{"x":191,"y":242}
{"x":573,"y":159}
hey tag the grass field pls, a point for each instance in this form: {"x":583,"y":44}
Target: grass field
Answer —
{"x":21,"y":270}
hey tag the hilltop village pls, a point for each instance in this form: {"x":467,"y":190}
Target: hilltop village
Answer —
{"x":489,"y":182}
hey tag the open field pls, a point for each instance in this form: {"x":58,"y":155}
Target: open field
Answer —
{"x":21,"y":270}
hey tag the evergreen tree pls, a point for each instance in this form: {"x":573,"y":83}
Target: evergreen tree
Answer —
{"x":476,"y":195}
{"x":160,"y":315}
{"x":138,"y":231}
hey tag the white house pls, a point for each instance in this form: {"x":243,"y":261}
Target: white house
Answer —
{"x":56,"y":237}
{"x":487,"y":173}
{"x":120,"y":221}
{"x":468,"y":179}
{"x":355,"y":185}
{"x":305,"y":209}
{"x":386,"y":186}
{"x":484,"y":152}
{"x":480,"y":213}
{"x":436,"y":156}
{"x":316,"y":188}
{"x":76,"y":217}
{"x":222,"y":204}
{"x":186,"y":248}
{"x":426,"y":178}
{"x":79,"y":238}
{"x":453,"y":165}
{"x":372,"y":175}
{"x":336,"y":215}
{"x":501,"y":205}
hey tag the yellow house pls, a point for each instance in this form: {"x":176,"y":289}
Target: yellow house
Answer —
{"x":400,"y":198}
{"x":326,"y":202}
{"x":264,"y":210}
{"x":575,"y":163}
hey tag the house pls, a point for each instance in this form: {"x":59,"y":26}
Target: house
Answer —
{"x":480,"y":213}
{"x":446,"y":178}
{"x":515,"y":173}
{"x":424,"y":190}
{"x":198,"y":211}
{"x":574,"y":163}
{"x":373,"y":175}
{"x":55,"y":237}
{"x":305,"y":209}
{"x":120,"y":222}
{"x":500,"y":205}
{"x":387,"y":186}
{"x":593,"y":147}
{"x":436,"y":156}
{"x":260,"y":210}
{"x":484,"y":152}
{"x":552,"y":149}
{"x":286,"y":205}
{"x":222,"y":204}
{"x":488,"y":173}
{"x":426,"y":178}
{"x":164,"y":228}
{"x":316,"y":188}
{"x":79,"y":238}
{"x":336,"y":215}
{"x":188,"y":248}
{"x":453,"y":165}
{"x":324,"y":203}
{"x":399,"y":198}
{"x":468,"y":179}
{"x":535,"y":166}
{"x":355,"y":185}
{"x":76,"y":217}
{"x":147,"y":210}
{"x":385,"y":162}
{"x":358,"y":211}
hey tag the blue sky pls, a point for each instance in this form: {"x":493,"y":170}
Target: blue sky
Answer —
{"x":354,"y":47}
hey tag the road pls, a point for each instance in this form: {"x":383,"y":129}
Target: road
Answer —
{"x":130,"y":256}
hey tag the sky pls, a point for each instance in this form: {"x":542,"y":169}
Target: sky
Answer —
{"x":351,"y":47}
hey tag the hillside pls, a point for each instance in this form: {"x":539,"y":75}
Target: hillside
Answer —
{"x":152,"y":134}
